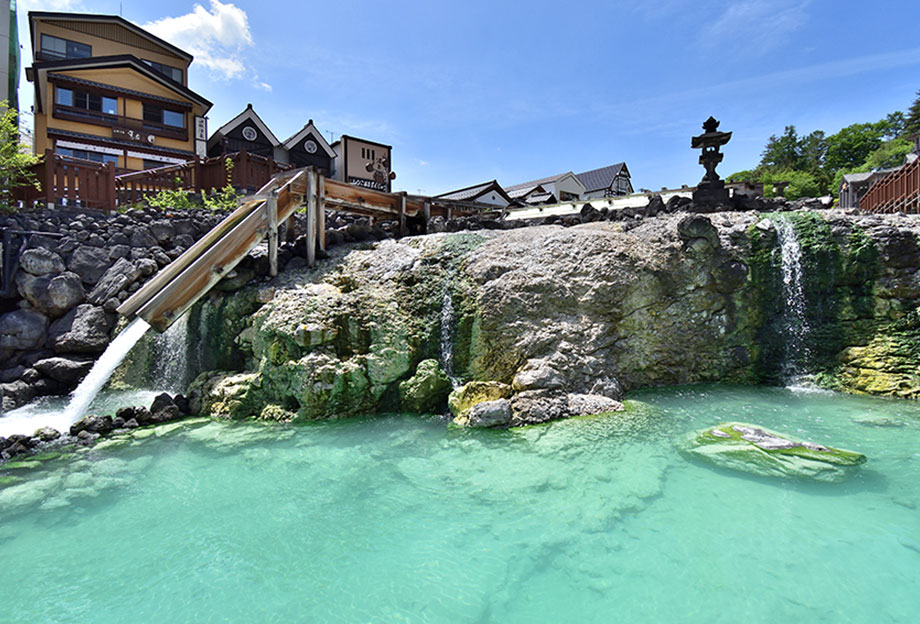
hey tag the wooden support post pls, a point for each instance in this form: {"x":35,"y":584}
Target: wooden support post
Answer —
{"x":321,"y":210}
{"x":272,"y":205}
{"x":449,"y":213}
{"x":427,"y":215}
{"x":311,"y":218}
{"x":402,"y":214}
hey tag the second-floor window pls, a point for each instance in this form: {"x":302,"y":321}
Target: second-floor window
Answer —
{"x":170,"y":72}
{"x":76,"y":98}
{"x":57,"y":48}
{"x":159,"y":115}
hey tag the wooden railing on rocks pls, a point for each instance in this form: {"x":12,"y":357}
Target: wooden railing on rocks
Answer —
{"x":71,"y":182}
{"x":899,"y":191}
{"x":247,"y":172}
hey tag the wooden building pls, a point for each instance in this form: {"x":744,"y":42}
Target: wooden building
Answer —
{"x":363,"y":163}
{"x":308,"y":148}
{"x":111,"y":92}
{"x":486,"y":193}
{"x":609,"y":181}
{"x":247,"y":132}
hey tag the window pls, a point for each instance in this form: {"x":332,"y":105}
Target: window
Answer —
{"x":86,"y":155}
{"x":153,"y":164}
{"x":170,"y":72}
{"x":158,"y":115}
{"x":86,"y":100}
{"x":57,"y":48}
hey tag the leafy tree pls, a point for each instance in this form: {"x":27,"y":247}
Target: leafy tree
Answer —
{"x":912,"y":123}
{"x":781,"y":152}
{"x":801,"y":183}
{"x":889,"y":154}
{"x":852,"y":145}
{"x":15,"y":158}
{"x":895,"y":123}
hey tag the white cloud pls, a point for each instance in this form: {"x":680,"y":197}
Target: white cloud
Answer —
{"x":755,"y":26}
{"x":218,"y":37}
{"x":423,"y":163}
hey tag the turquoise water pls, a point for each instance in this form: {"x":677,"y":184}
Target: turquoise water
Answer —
{"x":398,"y":519}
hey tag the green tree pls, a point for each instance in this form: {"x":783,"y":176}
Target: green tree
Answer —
{"x":852,"y":145}
{"x":781,"y":152}
{"x":912,"y":123}
{"x":15,"y":158}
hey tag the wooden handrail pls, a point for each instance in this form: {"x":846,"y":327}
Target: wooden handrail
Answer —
{"x":899,"y":191}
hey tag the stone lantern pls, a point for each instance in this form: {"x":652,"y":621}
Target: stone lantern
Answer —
{"x":711,"y":190}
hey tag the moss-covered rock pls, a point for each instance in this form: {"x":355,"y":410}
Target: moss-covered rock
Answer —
{"x":757,"y":450}
{"x":469,"y":394}
{"x":226,"y":395}
{"x":426,"y":391}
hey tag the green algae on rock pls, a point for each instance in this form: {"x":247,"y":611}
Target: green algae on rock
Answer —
{"x":427,"y":390}
{"x":760,"y":451}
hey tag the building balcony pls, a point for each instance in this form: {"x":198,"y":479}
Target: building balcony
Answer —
{"x":124,"y":128}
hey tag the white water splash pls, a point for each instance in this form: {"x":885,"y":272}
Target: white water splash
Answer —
{"x":170,"y":365}
{"x":101,"y":371}
{"x":447,"y":337}
{"x":796,"y":331}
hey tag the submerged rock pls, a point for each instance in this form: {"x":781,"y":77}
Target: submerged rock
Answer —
{"x":760,"y":451}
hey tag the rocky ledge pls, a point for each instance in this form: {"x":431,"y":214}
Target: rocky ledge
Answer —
{"x":547,"y":322}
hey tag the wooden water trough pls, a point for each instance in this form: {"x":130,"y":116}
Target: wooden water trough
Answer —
{"x":176,"y":287}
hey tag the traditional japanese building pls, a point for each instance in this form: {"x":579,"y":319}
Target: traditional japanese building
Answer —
{"x":607,"y":181}
{"x":247,"y":132}
{"x":558,"y":188}
{"x":308,"y":148}
{"x":363,"y":163}
{"x":106,"y":90}
{"x":486,"y":193}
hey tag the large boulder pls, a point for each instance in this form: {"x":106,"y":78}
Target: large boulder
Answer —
{"x":486,"y":414}
{"x":40,"y":261}
{"x":468,"y":395}
{"x":85,"y":329}
{"x":89,"y":263}
{"x":758,"y":450}
{"x":426,"y":391}
{"x":118,"y":278}
{"x":51,"y":294}
{"x":68,"y":370}
{"x":22,"y":329}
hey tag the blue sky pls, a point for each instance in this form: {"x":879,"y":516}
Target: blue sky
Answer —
{"x":474,"y":90}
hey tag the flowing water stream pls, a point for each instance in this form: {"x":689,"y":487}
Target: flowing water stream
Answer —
{"x":794,"y":326}
{"x":448,"y":322}
{"x":397,"y":518}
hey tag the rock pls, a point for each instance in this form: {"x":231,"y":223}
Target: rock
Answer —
{"x":697,"y":226}
{"x":427,"y":390}
{"x":85,"y":329}
{"x":67,"y":370}
{"x":89,"y":263}
{"x":119,"y":277}
{"x":469,"y":394}
{"x":311,"y":335}
{"x":163,"y":231}
{"x":65,"y":291}
{"x":757,"y":450}
{"x":591,"y":405}
{"x":537,"y":375}
{"x":46,"y":434}
{"x":16,"y":393}
{"x":655,"y":205}
{"x":730,"y":276}
{"x":141,"y":237}
{"x":160,"y":402}
{"x":22,"y":329}
{"x":40,"y":262}
{"x":538,"y":406}
{"x":486,"y":414}
{"x":276,"y":413}
{"x":92,"y":424}
{"x":137,"y":414}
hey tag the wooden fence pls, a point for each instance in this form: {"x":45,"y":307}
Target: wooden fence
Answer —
{"x":70,"y":181}
{"x":899,"y":191}
{"x":248,"y":172}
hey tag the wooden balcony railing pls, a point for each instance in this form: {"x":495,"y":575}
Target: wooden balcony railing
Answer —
{"x":70,"y":181}
{"x":899,"y":191}
{"x":142,"y":129}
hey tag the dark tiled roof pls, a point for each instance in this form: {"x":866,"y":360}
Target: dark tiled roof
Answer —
{"x":474,"y":191}
{"x":534,"y":183}
{"x":599,"y":179}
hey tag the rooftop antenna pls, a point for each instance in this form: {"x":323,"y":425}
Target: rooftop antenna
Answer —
{"x":331,"y":137}
{"x":119,"y":10}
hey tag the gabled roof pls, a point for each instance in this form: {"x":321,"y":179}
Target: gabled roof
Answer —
{"x":249,"y":114}
{"x":599,"y":179}
{"x":534,"y":183}
{"x":38,"y":73}
{"x":471,"y":193}
{"x":105,"y":19}
{"x":295,"y":138}
{"x":523,"y":190}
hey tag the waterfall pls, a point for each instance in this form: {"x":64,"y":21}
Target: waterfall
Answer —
{"x":448,"y":321}
{"x":794,"y":324}
{"x":99,"y":374}
{"x":170,"y":364}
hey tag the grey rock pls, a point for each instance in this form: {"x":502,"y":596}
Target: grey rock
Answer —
{"x":85,"y":329}
{"x":537,"y":375}
{"x":121,"y":275}
{"x":89,"y":263}
{"x":488,"y":414}
{"x":22,"y":330}
{"x":12,"y":374}
{"x":591,"y":404}
{"x":141,"y":237}
{"x":163,"y":231}
{"x":698,"y":226}
{"x":41,"y":262}
{"x":66,"y":370}
{"x":46,"y":434}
